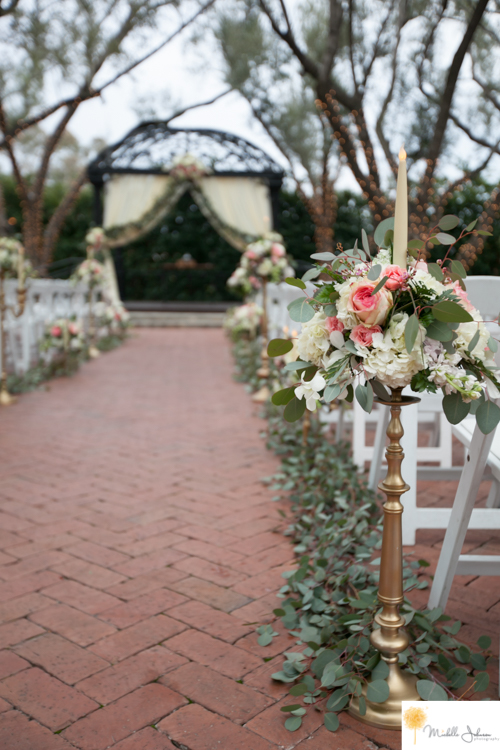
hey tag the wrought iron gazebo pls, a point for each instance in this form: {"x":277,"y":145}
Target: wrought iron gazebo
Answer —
{"x":152,"y":147}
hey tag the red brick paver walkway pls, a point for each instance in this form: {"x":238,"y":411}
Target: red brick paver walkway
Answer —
{"x":137,"y":544}
{"x":139,"y":552}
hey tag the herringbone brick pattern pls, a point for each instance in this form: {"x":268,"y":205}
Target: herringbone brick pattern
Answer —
{"x":139,"y":551}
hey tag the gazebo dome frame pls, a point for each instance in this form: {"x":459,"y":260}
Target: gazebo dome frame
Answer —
{"x":151,"y":147}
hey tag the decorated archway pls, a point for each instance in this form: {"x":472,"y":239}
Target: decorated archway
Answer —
{"x":140,"y":179}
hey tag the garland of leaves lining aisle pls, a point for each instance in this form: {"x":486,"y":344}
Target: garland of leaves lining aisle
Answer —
{"x":330,"y":601}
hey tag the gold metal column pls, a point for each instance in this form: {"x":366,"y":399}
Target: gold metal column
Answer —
{"x":390,"y":638}
{"x":263,"y":394}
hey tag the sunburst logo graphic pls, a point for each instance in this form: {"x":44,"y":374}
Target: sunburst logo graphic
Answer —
{"x":415,"y":718}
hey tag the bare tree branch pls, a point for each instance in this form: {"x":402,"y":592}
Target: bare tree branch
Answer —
{"x":86,"y":92}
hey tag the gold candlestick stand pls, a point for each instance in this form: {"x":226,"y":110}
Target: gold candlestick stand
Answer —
{"x":93,"y":350}
{"x":263,"y":394}
{"x":6,"y":399}
{"x":390,"y":639}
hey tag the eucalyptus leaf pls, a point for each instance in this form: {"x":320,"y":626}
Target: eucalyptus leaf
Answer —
{"x":300,"y":310}
{"x":293,"y":723}
{"x":330,"y":311}
{"x":482,"y":680}
{"x":458,"y":268}
{"x":381,"y":671}
{"x":471,"y":226}
{"x":484,"y":642}
{"x":487,"y":417}
{"x":377,"y":691}
{"x":331,"y":722}
{"x":431,"y":691}
{"x":435,"y":271}
{"x":283,"y":397}
{"x":362,"y":706}
{"x":311,"y":274}
{"x":439,"y":331}
{"x":331,"y":392}
{"x":484,"y":233}
{"x":295,"y":282}
{"x":380,"y":391}
{"x":364,"y":240}
{"x":415,"y":245}
{"x":455,"y":408}
{"x":379,"y":286}
{"x":411,"y":332}
{"x":474,"y":341}
{"x":294,"y":409}
{"x":451,"y":312}
{"x":278,"y":347}
{"x":323,"y":256}
{"x":364,"y":396}
{"x":448,"y":222}
{"x":380,"y":231}
{"x":445,"y":239}
{"x":374,"y":272}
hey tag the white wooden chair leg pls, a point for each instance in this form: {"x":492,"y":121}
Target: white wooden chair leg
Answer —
{"x":378,"y":448}
{"x":493,"y":500}
{"x":463,"y":504}
{"x":409,"y":420}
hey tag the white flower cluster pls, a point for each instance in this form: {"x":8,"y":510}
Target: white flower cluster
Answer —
{"x":243,"y":319}
{"x":314,"y":340}
{"x":388,"y":359}
{"x":264,"y":259}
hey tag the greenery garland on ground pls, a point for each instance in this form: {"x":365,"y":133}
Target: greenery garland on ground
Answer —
{"x":330,"y":600}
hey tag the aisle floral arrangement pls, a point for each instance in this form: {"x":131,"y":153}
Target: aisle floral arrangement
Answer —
{"x":63,"y":335}
{"x":111,"y":318}
{"x":90,"y":272}
{"x":329,"y":599}
{"x":266,"y":259}
{"x":372,"y":324}
{"x":12,"y":257}
{"x":243,"y":321}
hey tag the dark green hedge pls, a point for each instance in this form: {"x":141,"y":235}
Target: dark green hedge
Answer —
{"x":141,"y":265}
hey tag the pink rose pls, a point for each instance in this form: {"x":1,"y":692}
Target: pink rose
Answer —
{"x":254,"y":281}
{"x":397,"y":277}
{"x":369,"y":309}
{"x":277,"y":251}
{"x":251,"y":255}
{"x":363,"y":336}
{"x":55,"y":331}
{"x":422,"y":266}
{"x":73,"y":329}
{"x":457,"y":289}
{"x":334,"y":324}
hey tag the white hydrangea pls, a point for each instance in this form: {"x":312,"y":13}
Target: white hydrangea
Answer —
{"x":314,"y":341}
{"x":389,"y":361}
{"x":423,"y":278}
{"x":348,"y":318}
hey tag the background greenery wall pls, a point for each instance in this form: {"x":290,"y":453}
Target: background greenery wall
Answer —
{"x":143,"y":266}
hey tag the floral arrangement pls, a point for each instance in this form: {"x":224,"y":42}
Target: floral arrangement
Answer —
{"x":115,"y":318}
{"x":372,"y":324}
{"x":264,"y":259}
{"x":95,"y":237}
{"x":63,"y":335}
{"x":243,"y":320}
{"x":11,"y":253}
{"x":90,"y":272}
{"x":188,"y":167}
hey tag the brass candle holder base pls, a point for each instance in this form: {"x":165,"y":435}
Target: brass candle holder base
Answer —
{"x":390,"y":638}
{"x":6,"y":398}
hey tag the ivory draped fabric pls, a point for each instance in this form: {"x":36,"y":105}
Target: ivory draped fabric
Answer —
{"x":238,"y":208}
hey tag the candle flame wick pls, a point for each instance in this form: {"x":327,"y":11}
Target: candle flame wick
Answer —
{"x":402,"y":154}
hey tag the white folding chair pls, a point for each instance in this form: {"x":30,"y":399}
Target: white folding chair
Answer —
{"x":482,"y":450}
